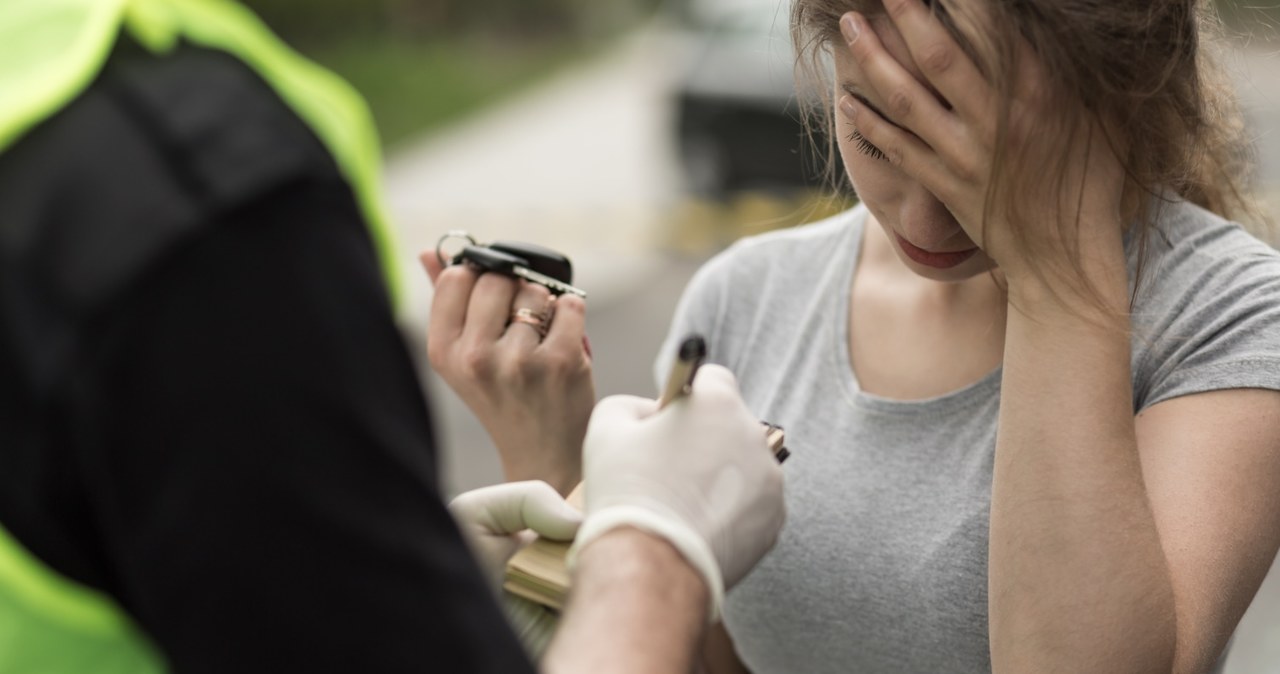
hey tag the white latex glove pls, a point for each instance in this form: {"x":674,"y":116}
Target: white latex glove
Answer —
{"x":698,"y":474}
{"x":500,"y":519}
{"x":497,"y":521}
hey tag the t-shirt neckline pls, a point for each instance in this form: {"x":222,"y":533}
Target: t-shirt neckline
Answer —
{"x":964,"y":396}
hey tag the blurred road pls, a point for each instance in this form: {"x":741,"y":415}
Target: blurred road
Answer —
{"x":586,"y":164}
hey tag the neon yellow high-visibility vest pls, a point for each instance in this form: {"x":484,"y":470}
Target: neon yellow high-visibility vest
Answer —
{"x":50,"y":51}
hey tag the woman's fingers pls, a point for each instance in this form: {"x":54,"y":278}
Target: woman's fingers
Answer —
{"x":490,"y":307}
{"x":902,"y":149}
{"x":453,"y":288}
{"x":904,"y":101}
{"x":941,"y":60}
{"x":569,"y":326}
{"x":531,"y":315}
{"x":431,"y":263}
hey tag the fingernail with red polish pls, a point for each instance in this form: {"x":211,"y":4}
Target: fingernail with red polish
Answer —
{"x":586,"y":346}
{"x":849,"y":28}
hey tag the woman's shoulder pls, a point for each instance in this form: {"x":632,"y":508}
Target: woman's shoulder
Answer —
{"x":1193,"y":256}
{"x":1188,"y":234}
{"x":1207,"y":309}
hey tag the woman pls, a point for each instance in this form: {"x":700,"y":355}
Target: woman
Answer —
{"x":1030,"y":381}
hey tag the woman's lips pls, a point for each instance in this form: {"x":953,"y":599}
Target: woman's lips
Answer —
{"x":931,"y":259}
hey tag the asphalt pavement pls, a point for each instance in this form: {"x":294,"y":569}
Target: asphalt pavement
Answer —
{"x":586,"y":164}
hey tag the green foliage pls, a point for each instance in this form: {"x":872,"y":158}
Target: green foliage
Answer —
{"x":423,"y":63}
{"x":530,"y":19}
{"x":416,"y":85}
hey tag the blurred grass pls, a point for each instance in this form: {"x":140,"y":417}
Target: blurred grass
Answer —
{"x":414,"y":86}
{"x":422,"y":64}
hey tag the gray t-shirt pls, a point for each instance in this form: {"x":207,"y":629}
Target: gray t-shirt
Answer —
{"x":882,"y":566}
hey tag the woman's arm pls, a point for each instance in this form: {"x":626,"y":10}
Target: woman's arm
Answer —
{"x":1116,"y":544}
{"x":1135,"y":544}
{"x":1078,"y":579}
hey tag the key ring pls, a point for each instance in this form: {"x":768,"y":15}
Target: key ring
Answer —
{"x":451,"y":234}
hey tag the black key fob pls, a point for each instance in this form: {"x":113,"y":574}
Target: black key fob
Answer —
{"x":488,"y":259}
{"x":539,"y":259}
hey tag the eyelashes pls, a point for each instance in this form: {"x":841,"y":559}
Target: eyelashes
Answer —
{"x":865,"y":146}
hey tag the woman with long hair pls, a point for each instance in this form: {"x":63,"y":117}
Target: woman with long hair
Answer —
{"x":1031,"y":379}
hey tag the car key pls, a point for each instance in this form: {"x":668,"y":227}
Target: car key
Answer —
{"x":538,"y":258}
{"x":489,"y":259}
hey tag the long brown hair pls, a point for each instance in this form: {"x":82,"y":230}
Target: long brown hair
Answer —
{"x":1144,"y":69}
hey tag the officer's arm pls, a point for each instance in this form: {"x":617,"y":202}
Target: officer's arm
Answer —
{"x":637,"y":606}
{"x":264,"y":472}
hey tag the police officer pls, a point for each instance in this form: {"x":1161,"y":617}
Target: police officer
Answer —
{"x":214,"y":455}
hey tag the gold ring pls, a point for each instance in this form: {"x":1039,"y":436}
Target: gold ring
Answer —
{"x":537,"y":319}
{"x":525,"y":312}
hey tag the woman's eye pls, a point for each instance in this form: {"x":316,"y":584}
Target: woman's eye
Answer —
{"x":865,"y":146}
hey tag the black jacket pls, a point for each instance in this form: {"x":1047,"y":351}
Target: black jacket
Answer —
{"x":205,"y":407}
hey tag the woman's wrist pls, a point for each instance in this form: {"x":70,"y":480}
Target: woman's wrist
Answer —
{"x":1087,"y":279}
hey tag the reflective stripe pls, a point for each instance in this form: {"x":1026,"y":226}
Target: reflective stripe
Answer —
{"x":32,"y":582}
{"x":51,"y":50}
{"x":52,"y":625}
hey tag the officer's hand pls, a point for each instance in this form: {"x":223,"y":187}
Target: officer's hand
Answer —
{"x":500,"y":519}
{"x":497,"y":521}
{"x":698,"y":474}
{"x":532,"y":393}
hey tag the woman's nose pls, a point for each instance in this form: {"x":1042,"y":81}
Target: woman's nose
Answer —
{"x":928,"y":222}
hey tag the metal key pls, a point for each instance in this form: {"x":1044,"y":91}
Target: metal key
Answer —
{"x":488,"y":259}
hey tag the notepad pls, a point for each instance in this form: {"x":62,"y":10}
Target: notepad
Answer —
{"x":539,"y":572}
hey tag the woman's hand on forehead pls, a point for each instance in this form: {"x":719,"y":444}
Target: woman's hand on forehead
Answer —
{"x":942,"y":64}
{"x":936,"y":145}
{"x":944,"y":125}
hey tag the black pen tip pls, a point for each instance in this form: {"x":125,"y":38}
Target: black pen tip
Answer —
{"x":694,"y":347}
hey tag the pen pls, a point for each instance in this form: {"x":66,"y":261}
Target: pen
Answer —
{"x":693,"y":350}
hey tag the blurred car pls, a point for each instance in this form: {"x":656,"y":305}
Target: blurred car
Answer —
{"x":737,"y":118}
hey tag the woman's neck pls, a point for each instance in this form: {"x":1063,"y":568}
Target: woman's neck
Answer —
{"x":912,"y":338}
